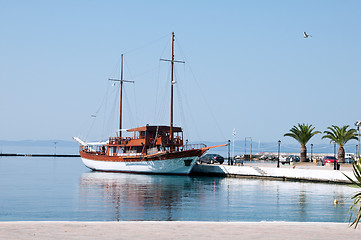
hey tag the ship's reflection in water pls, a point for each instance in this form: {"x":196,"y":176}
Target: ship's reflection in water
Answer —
{"x":138,"y":197}
{"x":122,"y":197}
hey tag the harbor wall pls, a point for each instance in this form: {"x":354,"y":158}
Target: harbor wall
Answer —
{"x":284,"y":173}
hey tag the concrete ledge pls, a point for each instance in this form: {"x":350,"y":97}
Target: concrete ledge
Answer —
{"x":177,"y":230}
{"x":310,"y":173}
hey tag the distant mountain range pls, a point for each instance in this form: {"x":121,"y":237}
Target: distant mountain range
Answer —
{"x":239,"y":147}
{"x":268,"y":147}
{"x":38,"y":143}
{"x":38,"y":147}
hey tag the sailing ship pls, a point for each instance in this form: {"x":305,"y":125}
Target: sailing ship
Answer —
{"x":155,"y":149}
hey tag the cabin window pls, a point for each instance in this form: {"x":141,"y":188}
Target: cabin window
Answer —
{"x":141,"y":134}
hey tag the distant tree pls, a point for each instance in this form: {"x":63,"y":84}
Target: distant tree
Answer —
{"x":303,"y":133}
{"x":355,"y":208}
{"x":340,"y":136}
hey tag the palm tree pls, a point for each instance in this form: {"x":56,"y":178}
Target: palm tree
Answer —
{"x":340,"y":136}
{"x":303,"y":133}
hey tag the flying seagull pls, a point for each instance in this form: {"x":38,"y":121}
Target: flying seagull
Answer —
{"x":305,"y":35}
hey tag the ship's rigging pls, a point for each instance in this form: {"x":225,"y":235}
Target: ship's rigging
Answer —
{"x":156,"y":99}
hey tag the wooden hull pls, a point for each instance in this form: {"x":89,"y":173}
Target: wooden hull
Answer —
{"x":180,"y":163}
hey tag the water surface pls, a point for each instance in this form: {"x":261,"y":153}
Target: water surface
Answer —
{"x":62,"y":189}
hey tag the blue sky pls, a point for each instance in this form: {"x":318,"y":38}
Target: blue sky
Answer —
{"x":247,"y":67}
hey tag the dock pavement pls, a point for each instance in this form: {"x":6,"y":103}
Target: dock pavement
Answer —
{"x":309,"y":172}
{"x":177,"y":230}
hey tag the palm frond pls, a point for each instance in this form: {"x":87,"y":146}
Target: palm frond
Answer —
{"x":340,"y":135}
{"x":302,"y":133}
{"x":355,"y":208}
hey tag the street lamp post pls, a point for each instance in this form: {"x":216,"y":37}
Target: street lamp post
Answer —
{"x":334,"y":154}
{"x":229,"y":149}
{"x":358,"y":125}
{"x":279,"y":148}
{"x":234,"y":135}
{"x":311,"y":151}
{"x":356,"y":155}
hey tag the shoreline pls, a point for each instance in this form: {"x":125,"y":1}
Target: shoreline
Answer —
{"x":177,"y":230}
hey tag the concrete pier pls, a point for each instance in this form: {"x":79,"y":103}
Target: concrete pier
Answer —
{"x":298,"y":172}
{"x":177,"y":230}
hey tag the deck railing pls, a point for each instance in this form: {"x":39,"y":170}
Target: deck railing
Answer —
{"x":193,"y":146}
{"x":97,"y":149}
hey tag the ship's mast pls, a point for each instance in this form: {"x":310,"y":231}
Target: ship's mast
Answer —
{"x":172,"y":82}
{"x":121,"y":95}
{"x":121,"y":80}
{"x":171,"y":94}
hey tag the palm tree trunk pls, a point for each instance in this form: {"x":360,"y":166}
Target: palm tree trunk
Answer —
{"x":303,"y":153}
{"x":341,"y":155}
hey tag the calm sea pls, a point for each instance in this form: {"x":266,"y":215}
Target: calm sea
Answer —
{"x":59,"y":189}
